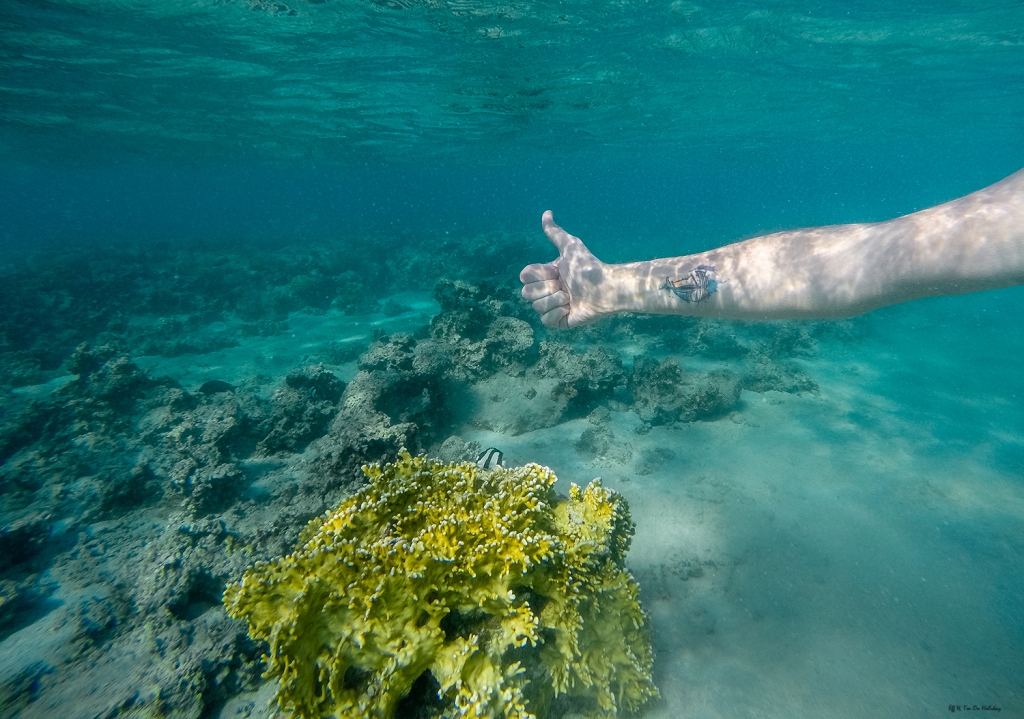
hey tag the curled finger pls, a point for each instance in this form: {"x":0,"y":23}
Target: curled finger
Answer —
{"x":546,"y":304}
{"x":538,"y":273}
{"x":537,"y":290}
{"x":556,"y":318}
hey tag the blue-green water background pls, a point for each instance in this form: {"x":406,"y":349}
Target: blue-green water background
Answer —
{"x":646,"y":126}
{"x":649,"y":128}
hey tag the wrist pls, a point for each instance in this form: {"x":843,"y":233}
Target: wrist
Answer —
{"x":635,"y":287}
{"x":679,"y":286}
{"x":624,"y":289}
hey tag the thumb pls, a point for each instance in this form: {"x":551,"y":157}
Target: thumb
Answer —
{"x":559,"y":237}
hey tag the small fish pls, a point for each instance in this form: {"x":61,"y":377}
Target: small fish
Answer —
{"x":490,"y":458}
{"x":695,"y":287}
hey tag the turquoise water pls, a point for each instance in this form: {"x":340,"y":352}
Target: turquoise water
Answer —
{"x":274,"y":195}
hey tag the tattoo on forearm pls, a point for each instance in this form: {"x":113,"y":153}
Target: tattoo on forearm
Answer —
{"x":694,"y":287}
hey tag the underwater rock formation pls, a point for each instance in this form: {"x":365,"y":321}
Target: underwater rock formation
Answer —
{"x":110,"y":456}
{"x":200,"y":446}
{"x":663,"y":393}
{"x":468,"y":593}
{"x":483,"y":328}
{"x":69,"y":448}
{"x":303,"y":409}
{"x":492,"y":257}
{"x":404,"y":380}
{"x":598,"y":443}
{"x":338,"y":353}
{"x":173,"y":337}
{"x":585,"y":380}
{"x":456,"y":449}
{"x":399,"y":398}
{"x":762,"y":374}
{"x":54,"y":300}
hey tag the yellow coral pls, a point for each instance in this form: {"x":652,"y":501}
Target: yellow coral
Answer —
{"x":505,"y":596}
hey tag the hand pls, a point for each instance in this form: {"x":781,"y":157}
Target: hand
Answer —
{"x":566,"y":292}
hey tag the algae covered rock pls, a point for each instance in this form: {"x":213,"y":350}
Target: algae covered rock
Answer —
{"x":585,"y":381}
{"x":466,"y":592}
{"x":302,"y":410}
{"x":483,"y":329}
{"x":663,"y":393}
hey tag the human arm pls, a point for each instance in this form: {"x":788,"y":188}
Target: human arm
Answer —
{"x":966,"y":245}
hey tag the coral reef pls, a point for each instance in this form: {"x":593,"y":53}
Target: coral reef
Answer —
{"x":483,"y":328}
{"x":406,"y":381}
{"x":479,"y":586}
{"x":89,"y":473}
{"x":303,"y":409}
{"x":128,"y":498}
{"x":663,"y":393}
{"x":161,"y":299}
{"x":584,"y":380}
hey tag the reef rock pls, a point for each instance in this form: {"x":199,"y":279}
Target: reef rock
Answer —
{"x":584,"y":380}
{"x":480,"y":329}
{"x":663,"y":393}
{"x":303,"y":409}
{"x":456,"y":449}
{"x":404,"y":380}
{"x":763,"y":374}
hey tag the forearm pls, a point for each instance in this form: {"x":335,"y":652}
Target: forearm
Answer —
{"x":970,"y":244}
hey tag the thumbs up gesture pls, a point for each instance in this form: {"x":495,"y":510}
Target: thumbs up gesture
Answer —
{"x":574,"y":289}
